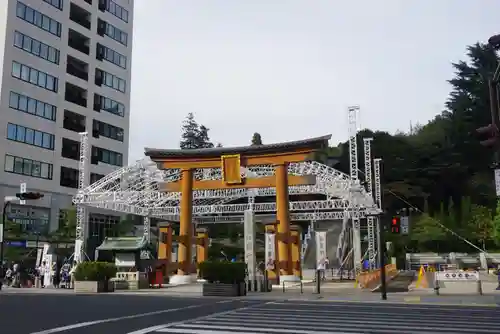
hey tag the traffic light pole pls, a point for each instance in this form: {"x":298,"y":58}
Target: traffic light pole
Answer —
{"x":7,"y":201}
{"x":381,"y":257}
{"x":493,"y":85}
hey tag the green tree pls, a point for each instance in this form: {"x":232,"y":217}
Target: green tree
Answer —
{"x":427,"y":232}
{"x":203,"y":138}
{"x":67,"y":225}
{"x":194,"y":136}
{"x":481,"y":224}
{"x":190,"y":139}
{"x":496,"y":225}
{"x":256,"y":139}
{"x":125,"y":228}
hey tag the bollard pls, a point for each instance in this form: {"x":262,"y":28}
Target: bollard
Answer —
{"x":301,"y":287}
{"x":436,"y":287}
{"x":479,"y":287}
{"x":283,"y":286}
{"x":318,"y":281}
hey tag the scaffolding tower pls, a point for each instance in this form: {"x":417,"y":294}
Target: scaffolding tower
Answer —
{"x":353,"y":158}
{"x":370,"y":220}
{"x":81,"y":212}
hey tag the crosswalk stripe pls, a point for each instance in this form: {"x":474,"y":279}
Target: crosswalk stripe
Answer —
{"x":207,"y":329}
{"x":288,"y":318}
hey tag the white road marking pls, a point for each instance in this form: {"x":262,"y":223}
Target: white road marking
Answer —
{"x":162,"y":327}
{"x":201,"y":329}
{"x":127,"y":317}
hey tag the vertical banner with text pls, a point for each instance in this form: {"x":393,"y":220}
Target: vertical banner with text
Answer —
{"x":249,"y":235}
{"x":320,"y":246}
{"x":270,"y":251}
{"x":22,"y":189}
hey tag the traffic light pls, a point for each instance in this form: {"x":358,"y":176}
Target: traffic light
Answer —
{"x":488,"y":135}
{"x":494,"y":41}
{"x":29,"y":195}
{"x":396,"y":225}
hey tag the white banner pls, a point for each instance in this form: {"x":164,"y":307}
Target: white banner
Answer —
{"x":457,"y":275}
{"x":270,"y":251}
{"x":320,"y":246}
{"x":22,"y":189}
{"x":77,"y":256}
{"x":249,"y":235}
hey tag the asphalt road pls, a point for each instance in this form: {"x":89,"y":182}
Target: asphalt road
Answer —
{"x":104,"y":313}
{"x":128,"y":314}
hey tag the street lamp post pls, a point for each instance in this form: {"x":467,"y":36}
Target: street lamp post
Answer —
{"x":7,"y":201}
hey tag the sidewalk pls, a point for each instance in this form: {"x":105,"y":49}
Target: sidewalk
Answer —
{"x":343,"y":292}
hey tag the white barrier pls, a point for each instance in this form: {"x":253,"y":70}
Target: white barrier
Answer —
{"x":457,"y":276}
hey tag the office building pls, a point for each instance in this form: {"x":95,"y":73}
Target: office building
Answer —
{"x":65,"y":67}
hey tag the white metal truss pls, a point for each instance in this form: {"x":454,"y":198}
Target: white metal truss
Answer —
{"x":353,"y":159}
{"x":378,"y":192}
{"x":81,"y":215}
{"x":295,"y":216}
{"x":135,"y":189}
{"x":369,"y":220}
{"x":256,"y":207}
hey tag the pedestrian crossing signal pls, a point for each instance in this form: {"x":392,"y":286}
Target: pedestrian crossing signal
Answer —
{"x":396,"y":225}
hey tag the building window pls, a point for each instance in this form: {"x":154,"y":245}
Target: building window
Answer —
{"x":69,"y":177}
{"x":73,"y":121}
{"x":34,"y":76}
{"x":32,"y":106}
{"x":106,"y":130}
{"x":102,"y":226}
{"x":56,"y":3}
{"x":112,"y":7}
{"x":106,"y":104}
{"x":70,"y":149}
{"x":94,"y":177}
{"x":105,"y":28}
{"x":30,"y":136}
{"x":103,"y":52}
{"x":32,"y":219}
{"x":35,"y":47}
{"x":106,"y":156}
{"x":110,"y":80}
{"x":28,"y":167}
{"x":38,"y":19}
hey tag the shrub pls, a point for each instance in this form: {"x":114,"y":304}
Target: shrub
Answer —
{"x":223,"y":271}
{"x":95,"y":271}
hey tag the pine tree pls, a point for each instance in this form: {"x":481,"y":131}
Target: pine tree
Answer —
{"x":190,"y":133}
{"x":256,"y":139}
{"x":203,"y":139}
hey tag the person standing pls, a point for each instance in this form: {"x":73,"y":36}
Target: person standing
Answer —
{"x":56,"y":278}
{"x":41,"y":274}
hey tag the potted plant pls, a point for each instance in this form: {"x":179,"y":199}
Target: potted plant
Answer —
{"x":223,"y":278}
{"x":94,"y":276}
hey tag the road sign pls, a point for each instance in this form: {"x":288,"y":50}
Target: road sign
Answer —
{"x":22,"y":189}
{"x":497,"y":181}
{"x":16,"y":243}
{"x":405,"y":225}
{"x":457,"y":275}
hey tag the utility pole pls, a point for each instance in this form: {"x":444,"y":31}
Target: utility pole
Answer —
{"x":490,"y":135}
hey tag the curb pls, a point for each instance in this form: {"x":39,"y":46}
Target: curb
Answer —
{"x":406,"y":301}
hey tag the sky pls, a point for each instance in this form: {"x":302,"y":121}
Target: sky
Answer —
{"x":289,"y":69}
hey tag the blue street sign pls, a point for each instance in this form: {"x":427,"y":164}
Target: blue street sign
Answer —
{"x":16,"y":243}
